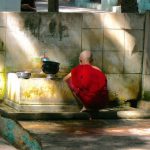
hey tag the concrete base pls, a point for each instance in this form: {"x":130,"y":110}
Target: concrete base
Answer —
{"x":109,"y":113}
{"x":39,"y":95}
{"x":42,"y":108}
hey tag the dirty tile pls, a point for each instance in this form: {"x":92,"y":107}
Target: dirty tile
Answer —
{"x":2,"y":39}
{"x":146,"y":81}
{"x":134,"y":21}
{"x":114,"y":20}
{"x":2,"y":85}
{"x":92,"y":39}
{"x":134,"y":40}
{"x":97,"y":57}
{"x":133,"y":62}
{"x":114,"y":40}
{"x":21,"y":50}
{"x":93,"y":20}
{"x":146,"y":87}
{"x":23,"y":21}
{"x":2,"y":19}
{"x":113,"y":62}
{"x":2,"y":61}
{"x":123,"y":86}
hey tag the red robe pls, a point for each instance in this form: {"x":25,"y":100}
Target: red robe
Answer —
{"x":89,"y":85}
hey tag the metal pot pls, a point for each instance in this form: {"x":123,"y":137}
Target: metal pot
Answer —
{"x":24,"y":75}
{"x":50,"y":67}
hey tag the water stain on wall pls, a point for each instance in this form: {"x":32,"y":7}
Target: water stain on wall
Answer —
{"x":32,"y":24}
{"x":58,"y":28}
{"x":1,"y":45}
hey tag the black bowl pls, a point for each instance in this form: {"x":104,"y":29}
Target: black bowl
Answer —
{"x":50,"y":67}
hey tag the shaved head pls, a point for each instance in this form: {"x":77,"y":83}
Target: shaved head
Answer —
{"x":86,"y":57}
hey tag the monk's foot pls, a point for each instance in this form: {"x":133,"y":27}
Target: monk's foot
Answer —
{"x":89,"y":110}
{"x":83,"y":109}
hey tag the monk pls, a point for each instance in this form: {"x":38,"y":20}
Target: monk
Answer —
{"x":88,"y":83}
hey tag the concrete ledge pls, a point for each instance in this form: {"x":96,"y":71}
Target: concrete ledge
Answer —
{"x":114,"y":113}
{"x":50,"y":108}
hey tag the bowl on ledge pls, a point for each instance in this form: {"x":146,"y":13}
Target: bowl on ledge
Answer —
{"x":24,"y":75}
{"x":50,"y":68}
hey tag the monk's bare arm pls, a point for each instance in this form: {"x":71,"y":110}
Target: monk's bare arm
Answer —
{"x":67,"y":77}
{"x":96,"y":68}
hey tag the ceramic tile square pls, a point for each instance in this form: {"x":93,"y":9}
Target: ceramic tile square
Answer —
{"x":134,"y":40}
{"x":97,"y":57}
{"x":114,"y":40}
{"x":2,"y":38}
{"x":93,"y":20}
{"x":2,"y":61}
{"x":134,"y":21}
{"x":70,"y":20}
{"x":146,"y":81}
{"x":123,"y":86}
{"x":28,"y":22}
{"x":114,"y":20}
{"x":92,"y":39}
{"x":113,"y":62}
{"x":146,"y":64}
{"x":133,"y":62}
{"x":2,"y":85}
{"x":14,"y":21}
{"x":21,"y":51}
{"x":2,"y":19}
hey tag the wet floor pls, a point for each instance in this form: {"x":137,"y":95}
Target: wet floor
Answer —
{"x":92,"y":135}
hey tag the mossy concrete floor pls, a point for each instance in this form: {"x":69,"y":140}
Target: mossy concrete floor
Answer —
{"x":91,"y":134}
{"x":113,"y":128}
